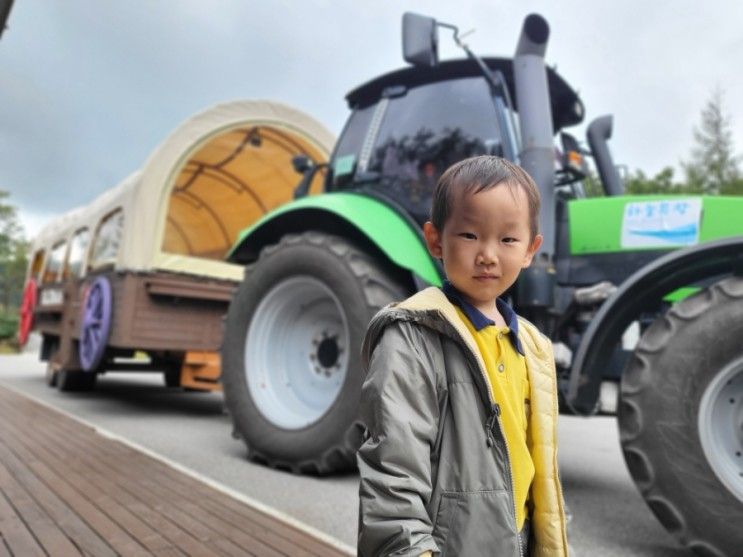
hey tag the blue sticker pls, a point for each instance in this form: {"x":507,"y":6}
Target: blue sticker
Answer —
{"x":659,"y":224}
{"x":344,"y":165}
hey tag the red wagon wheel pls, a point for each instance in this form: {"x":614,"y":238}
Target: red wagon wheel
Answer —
{"x":26,"y":312}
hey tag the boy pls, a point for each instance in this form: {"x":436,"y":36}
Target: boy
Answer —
{"x":460,"y":399}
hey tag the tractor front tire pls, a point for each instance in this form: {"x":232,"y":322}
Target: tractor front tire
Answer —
{"x":291,"y":369}
{"x":681,"y":419}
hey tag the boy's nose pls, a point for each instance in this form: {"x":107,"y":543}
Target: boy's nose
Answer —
{"x":487,"y":258}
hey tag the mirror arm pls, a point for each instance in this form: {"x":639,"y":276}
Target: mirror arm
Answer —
{"x":496,"y":81}
{"x":303,"y":187}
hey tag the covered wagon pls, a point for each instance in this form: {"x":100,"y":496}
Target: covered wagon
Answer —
{"x":142,"y":268}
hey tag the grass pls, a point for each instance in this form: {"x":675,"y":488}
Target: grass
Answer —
{"x":9,"y":346}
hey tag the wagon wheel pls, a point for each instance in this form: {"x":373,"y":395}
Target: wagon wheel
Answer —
{"x":28,"y":304}
{"x":96,"y":323}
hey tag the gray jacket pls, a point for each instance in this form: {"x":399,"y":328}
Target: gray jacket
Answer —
{"x":435,"y":470}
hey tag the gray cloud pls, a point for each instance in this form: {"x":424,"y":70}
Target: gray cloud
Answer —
{"x":89,"y":88}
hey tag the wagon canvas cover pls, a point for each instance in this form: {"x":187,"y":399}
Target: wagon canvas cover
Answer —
{"x":214,"y":175}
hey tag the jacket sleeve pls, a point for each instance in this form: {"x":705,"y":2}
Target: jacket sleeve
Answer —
{"x":399,"y":407}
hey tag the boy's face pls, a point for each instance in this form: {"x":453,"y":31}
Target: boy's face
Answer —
{"x":485,"y":243}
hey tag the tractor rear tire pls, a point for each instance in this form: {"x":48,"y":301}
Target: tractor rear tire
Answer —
{"x":291,"y":369}
{"x":681,"y":419}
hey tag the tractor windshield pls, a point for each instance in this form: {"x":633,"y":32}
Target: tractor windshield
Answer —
{"x":403,"y":143}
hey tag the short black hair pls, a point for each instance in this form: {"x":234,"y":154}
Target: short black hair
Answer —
{"x":478,"y":174}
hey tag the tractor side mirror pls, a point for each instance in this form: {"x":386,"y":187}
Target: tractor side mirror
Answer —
{"x":5,"y":6}
{"x":420,"y":43}
{"x":301,"y":163}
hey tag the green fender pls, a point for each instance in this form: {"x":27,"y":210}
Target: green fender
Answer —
{"x":395,"y":235}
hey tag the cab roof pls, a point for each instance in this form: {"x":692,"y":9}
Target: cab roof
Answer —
{"x":567,"y":108}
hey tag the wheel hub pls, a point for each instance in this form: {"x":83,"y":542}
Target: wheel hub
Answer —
{"x":721,"y":426}
{"x":296,"y":355}
{"x":326,"y":355}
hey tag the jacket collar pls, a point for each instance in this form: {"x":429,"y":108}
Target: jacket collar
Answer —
{"x":478,"y":319}
{"x":431,"y":308}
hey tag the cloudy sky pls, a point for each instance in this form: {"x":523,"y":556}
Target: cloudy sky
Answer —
{"x":88,"y":88}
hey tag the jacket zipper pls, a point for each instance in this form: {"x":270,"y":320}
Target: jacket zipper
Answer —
{"x":494,"y":418}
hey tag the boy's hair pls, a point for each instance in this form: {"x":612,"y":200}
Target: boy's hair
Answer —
{"x":478,"y":174}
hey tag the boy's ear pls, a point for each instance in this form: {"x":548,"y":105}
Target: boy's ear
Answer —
{"x":536,"y":243}
{"x":433,"y":240}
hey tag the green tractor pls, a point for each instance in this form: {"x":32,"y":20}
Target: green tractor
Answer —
{"x":319,"y":267}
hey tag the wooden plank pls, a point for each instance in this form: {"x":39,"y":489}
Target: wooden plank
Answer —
{"x":182,"y":539}
{"x":162,"y":286}
{"x":57,"y":510}
{"x":55,"y":442}
{"x":4,"y":551}
{"x":99,"y":470}
{"x":196,"y":499}
{"x":20,"y":541}
{"x":180,"y":508}
{"x":162,"y":476}
{"x":244,"y":514}
{"x":86,"y":481}
{"x":116,"y":537}
{"x":283,"y":537}
{"x":240,"y":513}
{"x":46,"y":532}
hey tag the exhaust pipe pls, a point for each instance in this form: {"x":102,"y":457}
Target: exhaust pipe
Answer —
{"x":599,"y":131}
{"x":536,"y":284}
{"x":537,"y":154}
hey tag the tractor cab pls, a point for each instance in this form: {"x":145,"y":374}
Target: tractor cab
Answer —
{"x":406,"y":127}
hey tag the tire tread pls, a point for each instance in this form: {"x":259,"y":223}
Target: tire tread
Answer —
{"x":637,"y":392}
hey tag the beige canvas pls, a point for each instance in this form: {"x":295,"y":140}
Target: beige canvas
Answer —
{"x":215,"y":175}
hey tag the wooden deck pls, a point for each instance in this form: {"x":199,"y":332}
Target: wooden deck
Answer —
{"x":66,"y":490}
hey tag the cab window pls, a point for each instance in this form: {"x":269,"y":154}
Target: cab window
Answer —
{"x":349,"y":145}
{"x":427,"y":130}
{"x":107,"y":240}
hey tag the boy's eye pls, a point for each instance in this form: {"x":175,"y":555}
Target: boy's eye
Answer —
{"x":509,"y":240}
{"x":467,"y":235}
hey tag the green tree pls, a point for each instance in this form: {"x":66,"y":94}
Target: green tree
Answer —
{"x":714,"y":167}
{"x":13,"y":255}
{"x":639,"y":183}
{"x":592,"y":185}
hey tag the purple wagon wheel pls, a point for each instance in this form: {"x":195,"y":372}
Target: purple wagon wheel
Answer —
{"x":96,"y":323}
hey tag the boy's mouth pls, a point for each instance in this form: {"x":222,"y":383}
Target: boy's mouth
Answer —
{"x":486,"y":277}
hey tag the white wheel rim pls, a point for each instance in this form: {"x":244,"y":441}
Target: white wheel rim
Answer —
{"x":296,"y":352}
{"x":721,"y":426}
